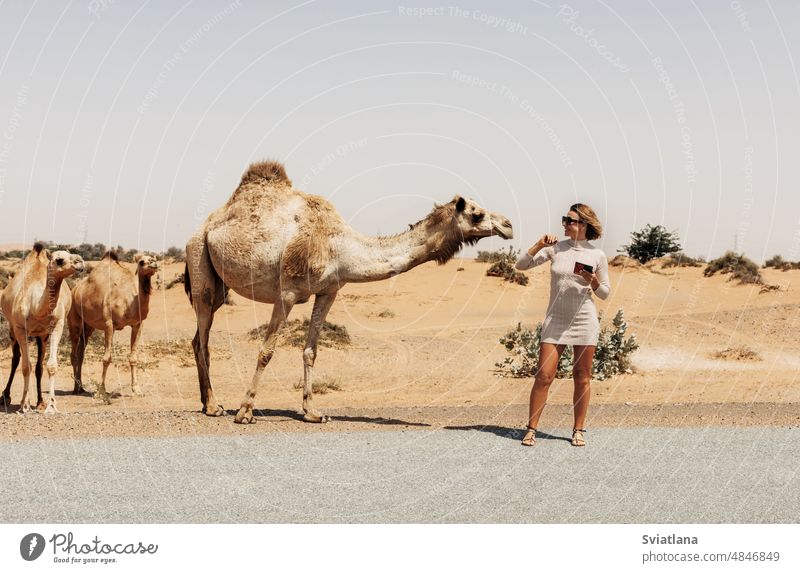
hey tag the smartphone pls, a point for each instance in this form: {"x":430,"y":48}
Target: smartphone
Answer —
{"x":582,"y":267}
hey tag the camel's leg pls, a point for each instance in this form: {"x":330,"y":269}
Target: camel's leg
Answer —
{"x":133,"y":358}
{"x":207,"y":293}
{"x":15,"y":355}
{"x":322,"y":304}
{"x":101,"y":392}
{"x":78,"y":355}
{"x":78,"y":337}
{"x":52,"y":364}
{"x":280,"y":311}
{"x":22,"y":340}
{"x":38,"y":372}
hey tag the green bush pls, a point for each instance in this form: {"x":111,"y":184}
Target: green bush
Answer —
{"x":778,"y":262}
{"x":612,"y":354}
{"x":740,"y":268}
{"x":651,"y":243}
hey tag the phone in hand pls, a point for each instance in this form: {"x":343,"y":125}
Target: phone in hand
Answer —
{"x":582,"y":267}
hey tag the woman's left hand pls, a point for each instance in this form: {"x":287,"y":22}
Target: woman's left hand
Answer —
{"x":591,"y":278}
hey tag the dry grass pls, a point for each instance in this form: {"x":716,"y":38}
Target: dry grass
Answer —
{"x":739,"y":353}
{"x":294,"y":333}
{"x":385,"y":314}
{"x":321,"y":386}
{"x":151,"y":352}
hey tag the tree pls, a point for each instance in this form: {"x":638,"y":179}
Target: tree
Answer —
{"x":651,"y":243}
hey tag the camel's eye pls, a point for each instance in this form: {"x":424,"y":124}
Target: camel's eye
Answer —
{"x":477,"y":217}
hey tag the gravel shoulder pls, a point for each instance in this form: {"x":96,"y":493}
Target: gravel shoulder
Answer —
{"x":497,"y":419}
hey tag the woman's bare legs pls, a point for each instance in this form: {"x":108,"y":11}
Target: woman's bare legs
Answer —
{"x":549,"y":355}
{"x":581,"y":374}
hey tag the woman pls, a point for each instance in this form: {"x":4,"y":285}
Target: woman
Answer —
{"x":577,"y":269}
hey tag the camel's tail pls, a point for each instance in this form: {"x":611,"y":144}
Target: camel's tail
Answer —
{"x":187,"y":282}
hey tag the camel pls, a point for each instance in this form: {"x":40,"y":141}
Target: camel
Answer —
{"x":36,"y":302}
{"x":275,"y":244}
{"x":109,"y":299}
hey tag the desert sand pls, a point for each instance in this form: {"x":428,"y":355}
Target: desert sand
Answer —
{"x":423,"y":353}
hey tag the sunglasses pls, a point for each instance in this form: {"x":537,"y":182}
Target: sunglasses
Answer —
{"x":569,"y":221}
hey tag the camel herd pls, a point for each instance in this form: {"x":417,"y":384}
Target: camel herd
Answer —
{"x":269,"y":243}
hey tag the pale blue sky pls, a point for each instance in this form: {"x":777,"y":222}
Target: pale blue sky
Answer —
{"x":126,"y":122}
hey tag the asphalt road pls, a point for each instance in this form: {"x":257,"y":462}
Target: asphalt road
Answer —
{"x":625,"y":475}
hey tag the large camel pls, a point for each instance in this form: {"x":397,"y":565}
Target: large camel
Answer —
{"x":272,"y":243}
{"x":36,"y":302}
{"x":109,"y":299}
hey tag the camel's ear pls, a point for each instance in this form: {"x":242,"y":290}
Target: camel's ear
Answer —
{"x":461,"y":203}
{"x":136,"y":257}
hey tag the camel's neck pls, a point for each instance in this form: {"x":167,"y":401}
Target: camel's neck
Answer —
{"x":367,"y":259}
{"x":141,"y":305}
{"x":49,"y":301}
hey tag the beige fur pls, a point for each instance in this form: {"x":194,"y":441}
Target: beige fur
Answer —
{"x":36,"y":302}
{"x":272,"y":243}
{"x":109,"y":299}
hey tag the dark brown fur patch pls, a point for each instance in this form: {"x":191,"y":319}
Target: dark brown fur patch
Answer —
{"x":111,"y":255}
{"x":269,"y":171}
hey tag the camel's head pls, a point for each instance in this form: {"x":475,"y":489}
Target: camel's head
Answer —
{"x":474,"y":222}
{"x":145,"y":264}
{"x":63,"y":264}
{"x":463,"y":222}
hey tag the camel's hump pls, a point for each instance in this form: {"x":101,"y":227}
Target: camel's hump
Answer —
{"x":267,"y":171}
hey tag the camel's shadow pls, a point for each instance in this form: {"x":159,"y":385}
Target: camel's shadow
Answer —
{"x":510,"y":433}
{"x":295,"y":415}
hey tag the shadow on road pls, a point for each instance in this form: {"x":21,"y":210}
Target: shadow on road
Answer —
{"x":510,"y":433}
{"x":295,"y":415}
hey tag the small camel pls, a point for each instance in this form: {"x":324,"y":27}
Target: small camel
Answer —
{"x":36,"y":302}
{"x":272,"y":243}
{"x":109,"y":299}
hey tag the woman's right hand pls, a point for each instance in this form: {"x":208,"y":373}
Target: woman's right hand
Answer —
{"x":546,"y":241}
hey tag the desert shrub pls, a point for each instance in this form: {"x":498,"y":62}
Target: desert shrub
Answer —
{"x":14,"y":254}
{"x":5,"y":333}
{"x":503,"y":266}
{"x":321,"y":386}
{"x":496,"y":256}
{"x":737,"y":353}
{"x":176,"y":254}
{"x":5,"y":276}
{"x":178,"y":280}
{"x":681,"y":259}
{"x":778,"y":262}
{"x":651,"y":243}
{"x":294,"y":333}
{"x":738,"y":266}
{"x":612,"y":354}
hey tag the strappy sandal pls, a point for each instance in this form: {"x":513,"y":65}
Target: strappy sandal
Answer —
{"x":529,"y":439}
{"x":577,"y":437}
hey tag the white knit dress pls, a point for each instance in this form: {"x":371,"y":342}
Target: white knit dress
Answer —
{"x":571,"y":315}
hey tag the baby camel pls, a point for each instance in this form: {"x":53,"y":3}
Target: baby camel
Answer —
{"x":36,"y":302}
{"x":109,"y":299}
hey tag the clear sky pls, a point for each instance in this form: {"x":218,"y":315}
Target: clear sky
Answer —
{"x":126,"y":122}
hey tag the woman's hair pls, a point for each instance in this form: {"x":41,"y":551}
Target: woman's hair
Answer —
{"x":594,"y":230}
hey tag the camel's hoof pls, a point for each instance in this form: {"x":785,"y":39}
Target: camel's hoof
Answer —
{"x":214,"y":412}
{"x":40,"y":407}
{"x":244,"y":416}
{"x":316,"y":418}
{"x":50,"y":410}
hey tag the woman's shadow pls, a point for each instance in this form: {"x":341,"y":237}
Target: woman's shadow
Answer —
{"x":509,"y":433}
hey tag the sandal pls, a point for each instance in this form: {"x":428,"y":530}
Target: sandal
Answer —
{"x":529,"y":439}
{"x":577,"y":437}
